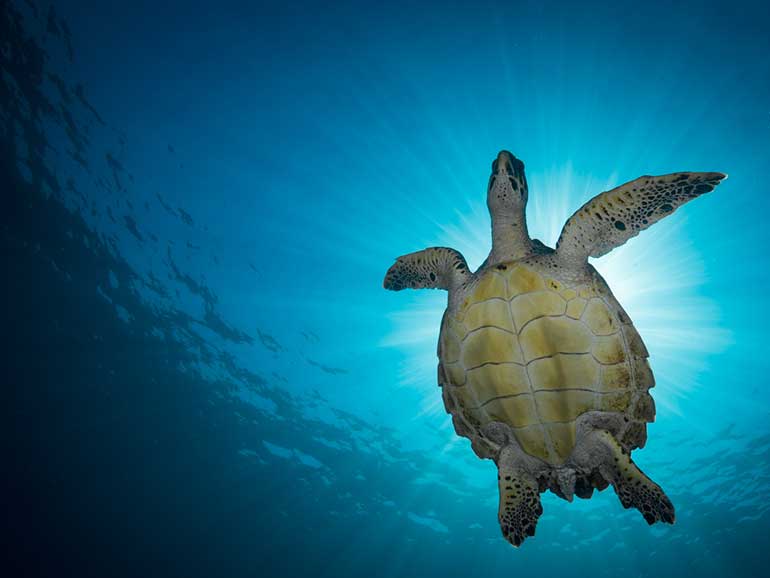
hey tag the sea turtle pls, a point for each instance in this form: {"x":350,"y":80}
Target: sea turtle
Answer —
{"x":539,"y":365}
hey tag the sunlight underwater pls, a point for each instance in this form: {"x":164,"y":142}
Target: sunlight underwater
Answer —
{"x":656,"y":276}
{"x":314,"y":429}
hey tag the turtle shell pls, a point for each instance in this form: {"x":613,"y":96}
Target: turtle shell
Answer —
{"x":528,"y":350}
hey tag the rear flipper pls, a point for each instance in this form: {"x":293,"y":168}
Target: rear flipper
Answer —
{"x":519,"y":500}
{"x":632,"y":486}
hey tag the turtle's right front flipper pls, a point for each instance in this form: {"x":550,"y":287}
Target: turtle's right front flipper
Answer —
{"x":434,"y":268}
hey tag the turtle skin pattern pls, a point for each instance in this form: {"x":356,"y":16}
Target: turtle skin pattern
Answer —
{"x":536,"y":353}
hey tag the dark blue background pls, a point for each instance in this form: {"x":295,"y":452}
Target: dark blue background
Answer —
{"x":203,"y":375}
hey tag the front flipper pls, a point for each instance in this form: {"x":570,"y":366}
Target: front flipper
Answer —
{"x":613,"y":217}
{"x":632,"y":486}
{"x":434,"y":268}
{"x":520,"y":505}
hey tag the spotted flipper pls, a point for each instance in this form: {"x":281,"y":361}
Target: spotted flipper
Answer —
{"x":519,"y":506}
{"x":613,"y":217}
{"x":632,"y":486}
{"x":434,"y":268}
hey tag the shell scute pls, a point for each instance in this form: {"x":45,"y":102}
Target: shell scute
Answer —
{"x":643,"y":373}
{"x":564,"y":405}
{"x":518,"y":411}
{"x":568,"y":294}
{"x":644,"y":408}
{"x":616,"y":376}
{"x":616,"y":401}
{"x":455,"y":373}
{"x":575,"y":308}
{"x":524,"y":280}
{"x":494,"y":312}
{"x":490,"y":381}
{"x":490,"y":286}
{"x":598,"y":318}
{"x":525,"y":308}
{"x":449,"y":349}
{"x":608,"y":349}
{"x":551,"y":373}
{"x":490,"y":345}
{"x":547,"y":336}
{"x":634,"y":340}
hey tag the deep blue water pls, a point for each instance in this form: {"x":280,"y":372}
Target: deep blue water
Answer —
{"x":203,"y":374}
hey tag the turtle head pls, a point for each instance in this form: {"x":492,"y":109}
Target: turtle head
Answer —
{"x":507,"y":200}
{"x":507,"y":189}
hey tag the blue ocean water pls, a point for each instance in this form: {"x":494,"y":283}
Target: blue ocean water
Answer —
{"x":204,"y":375}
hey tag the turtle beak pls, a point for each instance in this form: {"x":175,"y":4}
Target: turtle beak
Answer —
{"x":507,"y":172}
{"x":507,"y":164}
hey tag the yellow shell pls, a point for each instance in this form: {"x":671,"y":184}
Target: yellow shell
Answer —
{"x":534,"y":353}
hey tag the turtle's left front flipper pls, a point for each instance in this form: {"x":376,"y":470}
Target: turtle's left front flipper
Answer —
{"x":612,"y":218}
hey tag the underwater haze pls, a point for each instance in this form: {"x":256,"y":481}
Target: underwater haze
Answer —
{"x":203,"y":375}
